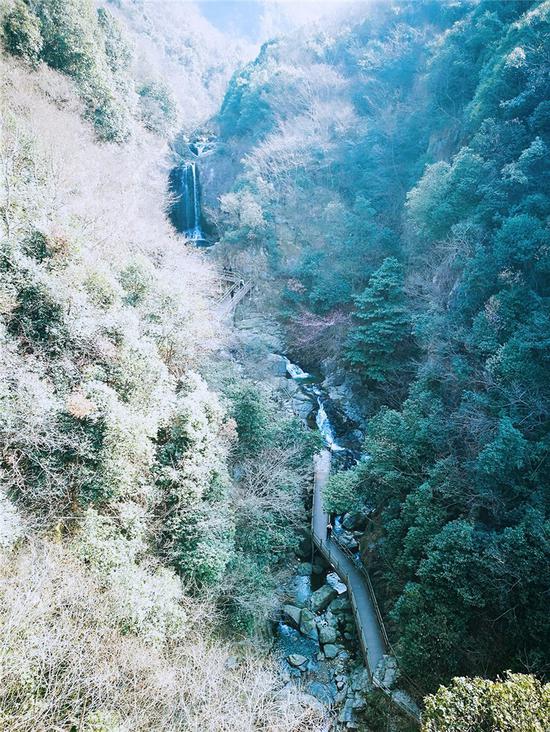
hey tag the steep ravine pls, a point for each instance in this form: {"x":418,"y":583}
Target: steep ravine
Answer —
{"x":314,"y":637}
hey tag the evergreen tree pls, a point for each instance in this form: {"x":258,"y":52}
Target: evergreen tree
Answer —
{"x":379,"y":342}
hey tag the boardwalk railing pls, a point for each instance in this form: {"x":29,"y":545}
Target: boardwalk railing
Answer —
{"x":238,"y":288}
{"x":337,"y":555}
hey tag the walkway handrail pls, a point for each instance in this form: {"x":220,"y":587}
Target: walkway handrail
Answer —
{"x":364,"y":571}
{"x":324,"y":548}
{"x":233,"y":296}
{"x":342,"y":560}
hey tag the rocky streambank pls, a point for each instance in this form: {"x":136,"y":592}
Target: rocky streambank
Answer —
{"x":317,"y":647}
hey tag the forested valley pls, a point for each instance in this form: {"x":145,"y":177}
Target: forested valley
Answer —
{"x":186,"y":214}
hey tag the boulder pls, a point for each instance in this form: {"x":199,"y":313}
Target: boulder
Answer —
{"x":307,"y":625}
{"x":327,"y":634}
{"x":386,"y":672}
{"x":346,"y":713}
{"x":340,"y":605}
{"x":309,"y":701}
{"x":322,"y":598}
{"x":292,"y":614}
{"x":331,"y":650}
{"x":330,"y":619}
{"x":301,"y":407}
{"x":334,"y":581}
{"x":323,"y":692}
{"x":299,"y":590}
{"x":354,"y":520}
{"x":360,"y":681}
{"x":297,"y":660}
{"x":304,"y":569}
{"x":274,"y":364}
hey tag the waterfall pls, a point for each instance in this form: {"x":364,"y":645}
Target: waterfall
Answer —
{"x":186,"y":209}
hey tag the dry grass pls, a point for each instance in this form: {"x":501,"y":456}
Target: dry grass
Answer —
{"x":63,"y":663}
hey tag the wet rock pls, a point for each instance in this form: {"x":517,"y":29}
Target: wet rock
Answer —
{"x":330,"y":619}
{"x":292,"y":615}
{"x":308,"y":700}
{"x":346,"y":713}
{"x":354,"y":520}
{"x":308,"y":626}
{"x":297,"y":660}
{"x":339,"y":605}
{"x":300,"y":590}
{"x":327,"y":634}
{"x":322,"y":598}
{"x":386,"y":672}
{"x":323,"y":692}
{"x":334,"y":581}
{"x":331,"y":650}
{"x":274,"y":364}
{"x":360,"y":681}
{"x":304,"y":569}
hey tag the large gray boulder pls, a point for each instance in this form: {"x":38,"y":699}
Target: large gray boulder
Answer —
{"x":354,"y":520}
{"x":346,"y":713}
{"x":308,"y":626}
{"x":340,"y":605}
{"x":297,"y":660}
{"x":292,"y":614}
{"x":327,"y":634}
{"x":322,"y":598}
{"x":334,"y":581}
{"x":274,"y":364}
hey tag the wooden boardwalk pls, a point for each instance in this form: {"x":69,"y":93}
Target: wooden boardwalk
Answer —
{"x":370,"y":626}
{"x":236,"y":291}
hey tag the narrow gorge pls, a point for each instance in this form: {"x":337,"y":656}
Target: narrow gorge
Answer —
{"x":274,"y":373}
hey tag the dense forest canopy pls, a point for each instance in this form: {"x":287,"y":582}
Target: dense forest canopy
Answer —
{"x":381,"y":176}
{"x":394,"y":177}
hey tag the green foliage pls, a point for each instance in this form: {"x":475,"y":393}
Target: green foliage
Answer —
{"x":378,"y":344}
{"x":517,"y":703}
{"x":39,"y":318}
{"x":274,"y":456}
{"x":440,"y":165}
{"x":253,"y":416}
{"x":87,"y":46}
{"x":343,"y":492}
{"x":192,"y":475}
{"x":21,"y":33}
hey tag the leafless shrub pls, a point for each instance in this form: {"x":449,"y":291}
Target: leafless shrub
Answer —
{"x":63,"y":663}
{"x":317,"y":337}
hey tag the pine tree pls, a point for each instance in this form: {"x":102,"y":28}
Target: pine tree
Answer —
{"x":381,"y":337}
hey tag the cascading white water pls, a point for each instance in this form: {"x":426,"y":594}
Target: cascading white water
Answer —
{"x":324,"y":425}
{"x":322,"y":420}
{"x":191,"y":190}
{"x":294,"y":371}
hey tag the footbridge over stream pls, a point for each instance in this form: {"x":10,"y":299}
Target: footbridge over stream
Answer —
{"x":370,"y":625}
{"x":236,"y":288}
